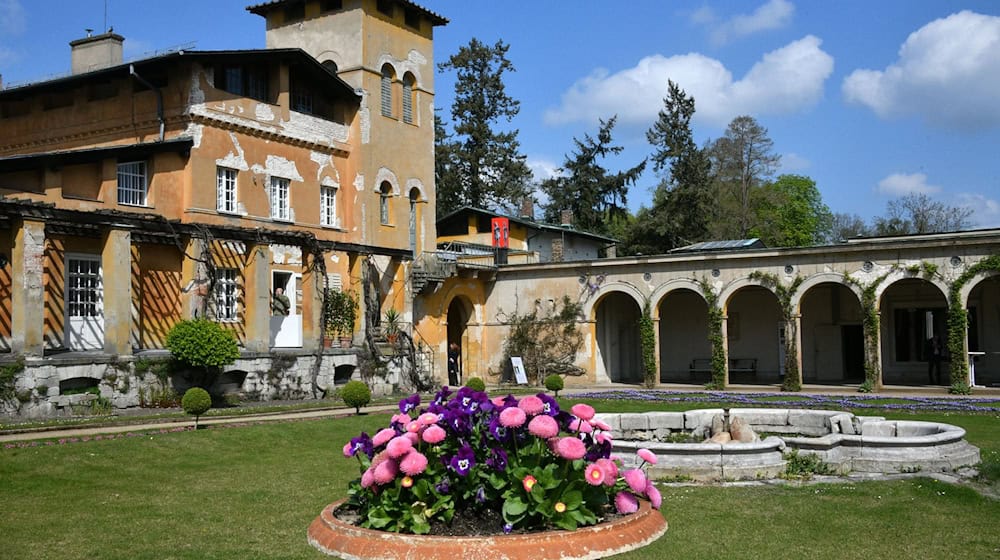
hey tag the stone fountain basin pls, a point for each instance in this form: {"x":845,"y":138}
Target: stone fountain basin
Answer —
{"x":848,"y":443}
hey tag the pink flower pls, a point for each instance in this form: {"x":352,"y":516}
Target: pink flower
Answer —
{"x":413,"y":437}
{"x":413,"y":463}
{"x":434,"y":434}
{"x":543,"y":426}
{"x":498,"y":401}
{"x":513,"y":417}
{"x":647,"y":455}
{"x":347,"y":449}
{"x":528,"y":482}
{"x":610,"y":471}
{"x":406,"y":482}
{"x":428,"y":419}
{"x":386,"y":472}
{"x":600,"y":424}
{"x":414,"y":427}
{"x":570,"y":448}
{"x":594,"y":474}
{"x":368,"y":478}
{"x":602,"y":437}
{"x":531,"y":405}
{"x":400,"y":419}
{"x":654,"y":495}
{"x":636,"y":480}
{"x":583,"y":411}
{"x":577,"y":425}
{"x":399,"y":446}
{"x":383,"y":436}
{"x":626,"y":503}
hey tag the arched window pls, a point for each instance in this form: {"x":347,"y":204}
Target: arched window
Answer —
{"x":383,"y":206}
{"x":414,"y":197}
{"x":387,"y":76}
{"x":408,"y":98}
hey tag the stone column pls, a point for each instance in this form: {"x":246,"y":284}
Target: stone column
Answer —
{"x":258,"y":298}
{"x":797,"y":336}
{"x":27,"y":291}
{"x":725,"y":346}
{"x":116,"y":272}
{"x":877,"y":351}
{"x":656,"y":351}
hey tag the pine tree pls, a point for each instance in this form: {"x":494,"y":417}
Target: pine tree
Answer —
{"x":480,"y":167}
{"x":596,"y":197}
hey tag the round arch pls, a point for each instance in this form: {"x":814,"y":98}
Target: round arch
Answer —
{"x":754,"y":330}
{"x":730,"y":289}
{"x":913,"y":330}
{"x":385,"y":175}
{"x":682,"y":328}
{"x":590,"y":307}
{"x":616,"y":328}
{"x":974,"y":282}
{"x":981,"y":297}
{"x":664,"y":290}
{"x":416,"y":184}
{"x":898,"y":276}
{"x":816,"y":280}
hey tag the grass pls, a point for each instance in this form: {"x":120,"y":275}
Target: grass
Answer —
{"x":250,"y":492}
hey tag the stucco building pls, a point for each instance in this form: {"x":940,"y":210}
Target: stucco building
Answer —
{"x":196,"y":183}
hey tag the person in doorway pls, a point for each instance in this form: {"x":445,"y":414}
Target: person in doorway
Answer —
{"x":454,"y":365}
{"x":279,"y":302}
{"x":934,"y":359}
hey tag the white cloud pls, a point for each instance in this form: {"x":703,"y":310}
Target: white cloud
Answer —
{"x":899,"y":184}
{"x":775,"y":14}
{"x":794,"y":162}
{"x":12,"y":20}
{"x":948,"y":73}
{"x":703,"y":15}
{"x":543,"y":169}
{"x":985,"y":211}
{"x":785,"y":80}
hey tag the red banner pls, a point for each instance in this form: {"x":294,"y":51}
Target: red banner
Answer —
{"x":501,"y":232}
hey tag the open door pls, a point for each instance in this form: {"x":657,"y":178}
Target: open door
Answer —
{"x":286,"y":330}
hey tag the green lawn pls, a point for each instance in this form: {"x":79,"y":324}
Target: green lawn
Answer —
{"x":250,"y":492}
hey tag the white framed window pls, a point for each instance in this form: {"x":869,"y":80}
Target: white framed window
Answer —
{"x":132,"y":183}
{"x":225,"y":182}
{"x":383,"y":203}
{"x":83,"y":287}
{"x":328,"y":206}
{"x":227,"y":295}
{"x":280,"y":208}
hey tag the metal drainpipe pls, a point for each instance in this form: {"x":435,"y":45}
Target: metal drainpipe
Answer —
{"x":159,"y":97}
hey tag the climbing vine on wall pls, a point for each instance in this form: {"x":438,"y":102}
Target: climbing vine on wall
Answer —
{"x":793,"y":377}
{"x":715,"y":337}
{"x":958,"y":323}
{"x":648,"y":337}
{"x":870,"y":326}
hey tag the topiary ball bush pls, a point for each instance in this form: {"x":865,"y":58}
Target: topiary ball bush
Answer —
{"x":196,"y":401}
{"x":202,"y":343}
{"x":476,"y":384}
{"x":554,"y":383}
{"x":355,"y":393}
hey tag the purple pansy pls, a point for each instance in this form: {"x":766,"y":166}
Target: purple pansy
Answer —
{"x":463,"y":461}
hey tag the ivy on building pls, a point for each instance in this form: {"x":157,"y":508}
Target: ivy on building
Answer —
{"x":870,"y":327}
{"x":958,"y":323}
{"x":793,"y":377}
{"x":715,"y":338}
{"x":647,"y":335}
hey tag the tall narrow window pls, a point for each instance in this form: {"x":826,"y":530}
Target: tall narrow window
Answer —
{"x":257,"y":85}
{"x":226,"y":295}
{"x":234,"y":80}
{"x":132,"y":183}
{"x":408,"y":99}
{"x":414,"y":197}
{"x":383,"y":204}
{"x":328,"y":206}
{"x":386,"y":91}
{"x":225,"y":185}
{"x":280,"y":209}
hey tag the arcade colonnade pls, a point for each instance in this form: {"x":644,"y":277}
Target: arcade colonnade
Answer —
{"x":824,"y":311}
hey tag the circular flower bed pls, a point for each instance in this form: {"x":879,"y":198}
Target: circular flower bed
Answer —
{"x":466,"y":455}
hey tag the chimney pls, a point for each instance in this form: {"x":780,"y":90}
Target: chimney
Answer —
{"x":96,"y":52}
{"x":566,"y":218}
{"x":528,"y":209}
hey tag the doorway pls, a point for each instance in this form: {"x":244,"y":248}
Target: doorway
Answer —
{"x":84,"y":303}
{"x":286,"y":330}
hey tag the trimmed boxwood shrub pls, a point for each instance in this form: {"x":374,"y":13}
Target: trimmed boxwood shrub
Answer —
{"x":196,"y":401}
{"x":203,"y":346}
{"x":554,"y":383}
{"x":355,"y":393}
{"x":476,"y":384}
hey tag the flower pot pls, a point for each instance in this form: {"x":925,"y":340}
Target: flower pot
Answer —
{"x":337,"y":538}
{"x":345,"y":342}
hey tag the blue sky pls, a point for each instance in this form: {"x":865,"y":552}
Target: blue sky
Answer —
{"x":870,"y":99}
